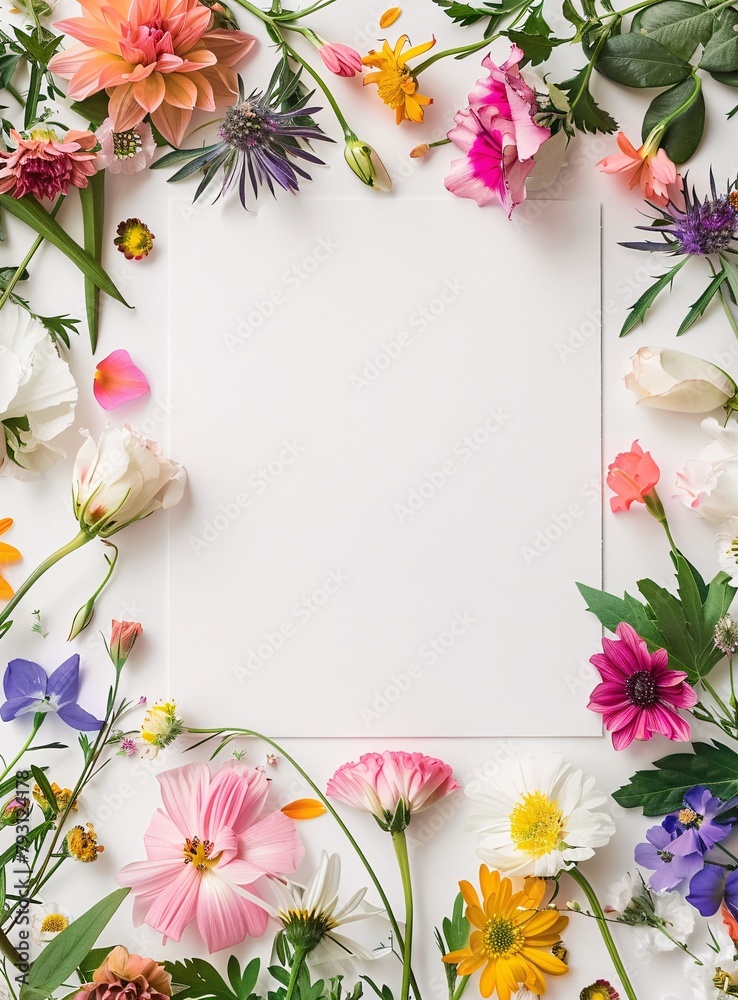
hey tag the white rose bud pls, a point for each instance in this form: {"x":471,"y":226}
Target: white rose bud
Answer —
{"x":673,"y":380}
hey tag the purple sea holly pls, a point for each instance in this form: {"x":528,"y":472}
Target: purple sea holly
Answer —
{"x":30,"y":690}
{"x":669,"y":868}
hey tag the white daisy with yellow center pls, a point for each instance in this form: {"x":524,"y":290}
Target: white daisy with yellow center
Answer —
{"x":48,"y":921}
{"x":539,"y":817}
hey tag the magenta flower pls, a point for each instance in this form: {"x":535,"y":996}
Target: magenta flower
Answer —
{"x":392,"y":785}
{"x":206,"y":850}
{"x":640,"y":694}
{"x":498,"y":135}
{"x":340,"y":59}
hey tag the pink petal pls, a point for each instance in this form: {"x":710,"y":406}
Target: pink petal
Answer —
{"x":183,"y":791}
{"x":118,"y":380}
{"x":236,"y":796}
{"x":175,"y":907}
{"x":272,"y":844}
{"x":224,"y":918}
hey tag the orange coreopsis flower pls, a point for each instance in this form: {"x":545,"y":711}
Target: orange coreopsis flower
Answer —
{"x":157,"y":57}
{"x":8,"y":554}
{"x":396,"y":85}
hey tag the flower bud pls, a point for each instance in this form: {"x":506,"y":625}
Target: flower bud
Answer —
{"x":420,"y":150}
{"x":122,"y":640}
{"x":673,"y":380}
{"x":367,"y":166}
{"x":14,"y":810}
{"x":82,"y":619}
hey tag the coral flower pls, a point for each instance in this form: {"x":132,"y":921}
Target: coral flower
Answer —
{"x":392,"y":785}
{"x":157,"y":57}
{"x":117,"y":380}
{"x":649,"y":166}
{"x":511,"y":940}
{"x":45,"y":165}
{"x":206,"y":848}
{"x":640,"y":693}
{"x":632,"y":476}
{"x":396,"y":85}
{"x":8,"y":554}
{"x":127,"y":977}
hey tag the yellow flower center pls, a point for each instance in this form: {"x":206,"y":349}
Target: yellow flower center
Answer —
{"x":199,"y":853}
{"x":689,"y":818}
{"x":723,"y":983}
{"x":53,"y":923}
{"x":393,"y":84}
{"x":536,"y":824}
{"x":501,"y":938}
{"x":82,"y":844}
{"x":596,"y":992}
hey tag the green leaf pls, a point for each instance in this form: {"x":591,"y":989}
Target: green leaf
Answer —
{"x":92,"y":962}
{"x":691,"y":602}
{"x":684,"y":134}
{"x":456,"y":928}
{"x":536,"y":48}
{"x":639,"y":61}
{"x":588,"y":115}
{"x":198,"y":979}
{"x":697,"y":308}
{"x":34,"y":215}
{"x":639,"y":308}
{"x":720,"y":55}
{"x":93,"y":108}
{"x":93,"y":211}
{"x":64,"y":954}
{"x":672,"y":625}
{"x":729,"y":79}
{"x":680,"y":27}
{"x":662,"y":790}
{"x":611,"y":611}
{"x":43,"y":783}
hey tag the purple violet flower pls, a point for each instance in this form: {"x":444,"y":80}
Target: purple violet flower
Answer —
{"x":711,"y":887}
{"x":697,"y":825}
{"x":29,"y":689}
{"x":668,"y":867}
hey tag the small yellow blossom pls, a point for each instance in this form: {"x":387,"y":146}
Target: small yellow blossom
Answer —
{"x":82,"y":844}
{"x":63,"y":797}
{"x":161,"y":726}
{"x":396,"y":85}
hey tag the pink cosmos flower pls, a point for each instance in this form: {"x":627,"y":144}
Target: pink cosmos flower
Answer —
{"x":125,"y":152}
{"x":206,"y":850}
{"x":117,"y":380}
{"x":45,"y":165}
{"x":392,"y":785}
{"x":340,"y":59}
{"x":640,"y":694}
{"x":649,"y":166}
{"x":498,"y":135}
{"x":157,"y":57}
{"x":632,"y":476}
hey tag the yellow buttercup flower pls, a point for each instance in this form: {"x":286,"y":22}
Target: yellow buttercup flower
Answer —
{"x":396,"y":85}
{"x":511,"y":939}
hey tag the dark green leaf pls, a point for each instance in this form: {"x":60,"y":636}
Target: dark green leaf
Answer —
{"x":691,"y":602}
{"x":93,"y":108}
{"x":182,"y":155}
{"x":588,"y":115}
{"x":572,"y":15}
{"x":456,"y":928}
{"x":672,"y":625}
{"x":198,"y":979}
{"x":29,"y":211}
{"x":93,"y":212}
{"x":678,"y":26}
{"x":43,"y":783}
{"x":92,"y":961}
{"x":729,"y":79}
{"x":536,"y":48}
{"x":662,"y":790}
{"x":63,"y":955}
{"x":639,"y":308}
{"x":611,"y":611}
{"x":684,"y":135}
{"x":720,"y":55}
{"x":697,"y":308}
{"x":639,"y":61}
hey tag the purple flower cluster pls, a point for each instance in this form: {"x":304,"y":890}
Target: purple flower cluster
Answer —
{"x":676,"y":850}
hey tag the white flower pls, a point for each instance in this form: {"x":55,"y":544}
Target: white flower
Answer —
{"x":310,"y":915}
{"x":727,"y":547}
{"x":709,"y":484}
{"x":125,"y":152}
{"x":721,"y":963}
{"x":121,"y":479}
{"x":48,"y":921}
{"x":37,"y":395}
{"x":540,"y":818}
{"x":673,"y":380}
{"x":620,"y":893}
{"x":678,"y":916}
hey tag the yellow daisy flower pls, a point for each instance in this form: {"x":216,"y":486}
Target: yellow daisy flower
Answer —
{"x":511,"y":939}
{"x":396,"y":85}
{"x":8,"y":554}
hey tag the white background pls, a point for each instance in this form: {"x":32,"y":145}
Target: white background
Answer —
{"x":633,"y":546}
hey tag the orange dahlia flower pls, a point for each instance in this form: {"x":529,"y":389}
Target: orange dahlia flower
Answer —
{"x":156,"y":57}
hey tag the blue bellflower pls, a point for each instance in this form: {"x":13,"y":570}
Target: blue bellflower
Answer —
{"x":29,"y":689}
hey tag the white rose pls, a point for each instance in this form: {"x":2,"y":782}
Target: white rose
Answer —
{"x":122,"y":478}
{"x":709,"y":484}
{"x":37,"y":395}
{"x":672,"y":380}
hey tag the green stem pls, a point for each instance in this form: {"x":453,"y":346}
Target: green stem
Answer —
{"x":399,"y":842}
{"x":79,"y":540}
{"x":717,"y":699}
{"x":9,"y":950}
{"x":663,"y":125}
{"x":461,"y":987}
{"x":26,"y":260}
{"x":588,"y":74}
{"x":329,"y":806}
{"x":459,"y":50}
{"x":37,"y":722}
{"x":297,"y":960}
{"x":604,"y":931}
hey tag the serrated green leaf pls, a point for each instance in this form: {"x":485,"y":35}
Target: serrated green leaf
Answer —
{"x":672,"y":625}
{"x":63,"y":955}
{"x":639,"y":61}
{"x":639,"y":308}
{"x":677,"y":25}
{"x":93,"y":108}
{"x":92,"y":199}
{"x":610,"y":611}
{"x":684,"y":135}
{"x":698,"y":307}
{"x":199,"y":980}
{"x":536,"y":48}
{"x":720,"y":54}
{"x":587,"y":114}
{"x":662,"y":790}
{"x":692,"y":604}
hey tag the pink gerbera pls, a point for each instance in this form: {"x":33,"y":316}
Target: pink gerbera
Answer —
{"x":206,"y":848}
{"x":640,"y":693}
{"x":392,"y":785}
{"x":45,"y":165}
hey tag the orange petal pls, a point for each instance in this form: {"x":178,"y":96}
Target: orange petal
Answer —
{"x":304,"y":809}
{"x":9,"y":554}
{"x":6,"y":591}
{"x":5,"y":523}
{"x":389,"y":17}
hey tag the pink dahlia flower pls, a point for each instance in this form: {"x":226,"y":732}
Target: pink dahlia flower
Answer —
{"x":206,"y":850}
{"x":392,"y":785}
{"x":45,"y":165}
{"x":340,"y":59}
{"x":127,"y":977}
{"x":157,"y":57}
{"x":498,"y":135}
{"x":640,"y":693}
